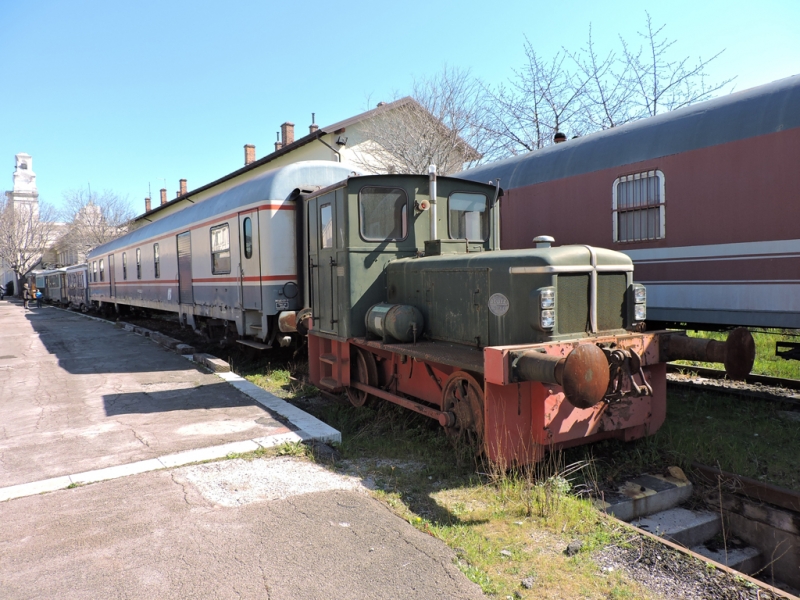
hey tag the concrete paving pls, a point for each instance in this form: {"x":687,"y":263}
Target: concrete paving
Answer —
{"x":81,"y":398}
{"x":78,"y":394}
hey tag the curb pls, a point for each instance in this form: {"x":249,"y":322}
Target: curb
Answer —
{"x":167,"y":461}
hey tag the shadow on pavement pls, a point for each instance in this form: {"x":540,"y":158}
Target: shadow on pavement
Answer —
{"x":85,"y":346}
{"x":173,"y":396}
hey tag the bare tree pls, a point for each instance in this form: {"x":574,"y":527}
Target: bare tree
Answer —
{"x":541,"y":100}
{"x":441,"y":123}
{"x":27,"y":229}
{"x":594,"y":90}
{"x":661,"y":84}
{"x":92,"y":219}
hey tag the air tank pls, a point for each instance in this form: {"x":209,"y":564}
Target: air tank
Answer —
{"x":395,"y":322}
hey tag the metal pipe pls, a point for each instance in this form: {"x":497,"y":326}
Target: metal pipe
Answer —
{"x":583,"y":373}
{"x":432,"y":193}
{"x":445,"y":419}
{"x":593,"y":289}
{"x":737,"y":353}
{"x":496,"y":216}
{"x":338,"y":154}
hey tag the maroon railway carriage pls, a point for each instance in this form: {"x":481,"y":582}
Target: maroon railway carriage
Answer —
{"x":705,"y":200}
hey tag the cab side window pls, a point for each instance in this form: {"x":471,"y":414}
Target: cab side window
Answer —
{"x":383,"y":214}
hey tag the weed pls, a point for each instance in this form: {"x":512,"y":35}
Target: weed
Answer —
{"x":291,"y":449}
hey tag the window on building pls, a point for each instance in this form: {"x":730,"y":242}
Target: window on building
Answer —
{"x":124,"y":266}
{"x":247,"y":236}
{"x":94,"y":272}
{"x":138,"y":263}
{"x":383,"y":213}
{"x":220,"y":249}
{"x":326,"y":222}
{"x":102,"y":271}
{"x":156,"y":261}
{"x":638,"y":206}
{"x":468,"y":217}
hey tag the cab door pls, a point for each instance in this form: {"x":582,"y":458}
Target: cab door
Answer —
{"x":249,"y":261}
{"x":322,"y":262}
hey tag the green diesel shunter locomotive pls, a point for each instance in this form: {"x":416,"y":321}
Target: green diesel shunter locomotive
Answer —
{"x":410,"y":300}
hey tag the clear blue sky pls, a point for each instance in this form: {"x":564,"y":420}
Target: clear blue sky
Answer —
{"x":119,"y":94}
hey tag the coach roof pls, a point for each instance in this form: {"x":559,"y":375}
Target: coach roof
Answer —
{"x":276,"y":184}
{"x":757,"y":111}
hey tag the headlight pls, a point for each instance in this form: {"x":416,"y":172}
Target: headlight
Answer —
{"x":639,"y":294}
{"x":548,"y":319}
{"x":547,"y":298}
{"x":639,"y":312}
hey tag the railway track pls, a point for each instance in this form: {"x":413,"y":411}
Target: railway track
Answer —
{"x":754,"y":386}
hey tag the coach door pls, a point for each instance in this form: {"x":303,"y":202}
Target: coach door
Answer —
{"x":249,"y":261}
{"x":112,"y":276}
{"x":185,"y":268}
{"x":322,"y":262}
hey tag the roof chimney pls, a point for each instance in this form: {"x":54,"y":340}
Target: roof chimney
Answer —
{"x":313,"y":127}
{"x":183,"y":187}
{"x":163,"y":196}
{"x":560,"y":137}
{"x":249,"y":154}
{"x":278,"y":144}
{"x":287,"y":133}
{"x":147,"y":205}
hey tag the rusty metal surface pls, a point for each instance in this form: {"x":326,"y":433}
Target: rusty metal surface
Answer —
{"x":440,"y":416}
{"x":454,"y":355}
{"x":752,"y":488}
{"x":585,"y":376}
{"x":287,"y":321}
{"x":737,"y":353}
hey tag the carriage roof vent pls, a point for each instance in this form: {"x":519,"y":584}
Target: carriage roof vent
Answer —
{"x":544,"y":241}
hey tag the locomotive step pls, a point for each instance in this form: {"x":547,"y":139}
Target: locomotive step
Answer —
{"x":252,"y":344}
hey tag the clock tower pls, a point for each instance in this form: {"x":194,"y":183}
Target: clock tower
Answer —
{"x":24,"y":182}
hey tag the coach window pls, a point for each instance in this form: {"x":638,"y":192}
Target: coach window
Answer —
{"x":102,"y":270}
{"x":247,"y":234}
{"x":326,"y":225}
{"x":383,"y":214}
{"x":638,"y":207}
{"x":124,"y":266}
{"x":94,"y":272}
{"x":156,"y":261}
{"x":138,"y":263}
{"x":468,"y":217}
{"x":220,"y":249}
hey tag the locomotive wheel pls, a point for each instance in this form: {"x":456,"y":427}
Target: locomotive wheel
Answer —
{"x":463,"y":396}
{"x":364,"y":370}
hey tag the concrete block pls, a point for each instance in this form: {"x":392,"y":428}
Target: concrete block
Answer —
{"x":686,"y":527}
{"x":142,"y":331}
{"x":216,"y":364}
{"x":184,"y":349}
{"x":645,"y":495}
{"x":200,"y":357}
{"x":163,"y":340}
{"x":747,"y":560}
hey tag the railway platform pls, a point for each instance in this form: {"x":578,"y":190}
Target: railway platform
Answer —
{"x":81,"y":397}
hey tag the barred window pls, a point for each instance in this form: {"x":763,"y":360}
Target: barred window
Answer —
{"x":220,"y":249}
{"x":94,"y":271}
{"x":124,"y":266}
{"x":138,"y":263}
{"x":638,"y":207}
{"x":102,"y":271}
{"x":156,"y":261}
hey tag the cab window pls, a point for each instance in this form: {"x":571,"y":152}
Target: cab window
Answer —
{"x":383,"y":214}
{"x":468,"y":218}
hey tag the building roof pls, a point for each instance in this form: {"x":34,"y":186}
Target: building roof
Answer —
{"x":322,"y":131}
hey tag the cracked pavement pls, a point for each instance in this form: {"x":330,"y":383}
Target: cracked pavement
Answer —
{"x":81,"y":395}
